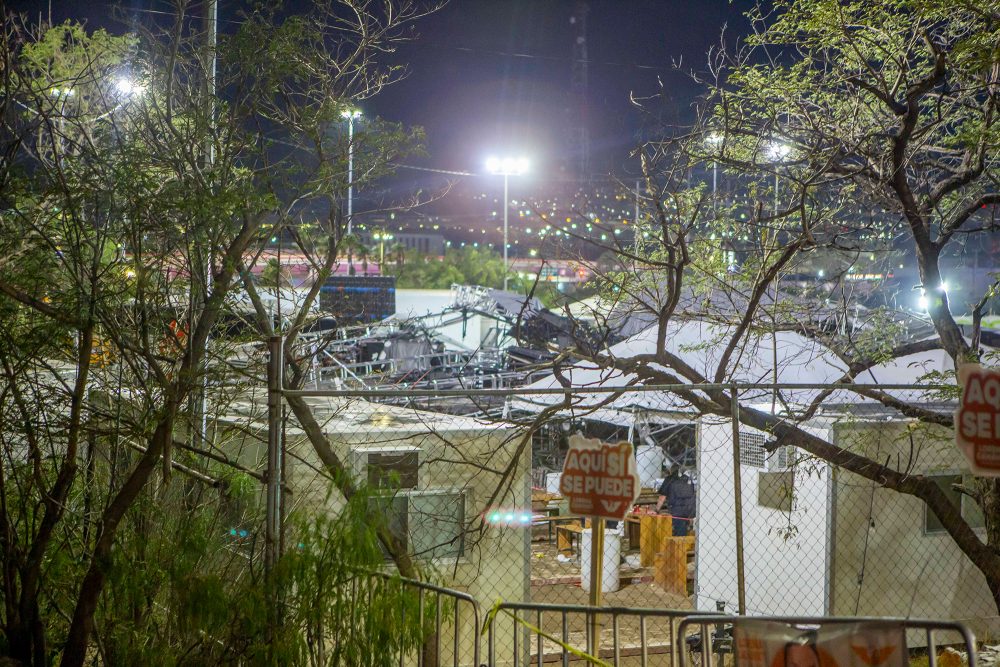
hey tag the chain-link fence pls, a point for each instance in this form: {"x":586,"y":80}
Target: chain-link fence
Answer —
{"x":764,"y":514}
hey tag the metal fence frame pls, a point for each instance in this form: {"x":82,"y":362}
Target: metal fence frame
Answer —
{"x":458,"y":598}
{"x":588,"y":613}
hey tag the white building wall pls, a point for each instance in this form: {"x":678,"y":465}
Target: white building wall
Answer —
{"x":453,"y":453}
{"x":785,"y":554}
{"x":884,"y":562}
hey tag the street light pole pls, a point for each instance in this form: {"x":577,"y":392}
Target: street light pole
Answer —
{"x":350,"y":115}
{"x":778,"y":152}
{"x":506,"y":167}
{"x":506,"y":201}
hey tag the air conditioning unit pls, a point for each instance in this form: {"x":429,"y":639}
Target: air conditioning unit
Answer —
{"x":384,"y":467}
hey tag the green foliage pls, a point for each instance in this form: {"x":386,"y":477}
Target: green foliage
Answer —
{"x":274,"y":275}
{"x":112,"y":215}
{"x":179,"y":591}
{"x":67,"y":57}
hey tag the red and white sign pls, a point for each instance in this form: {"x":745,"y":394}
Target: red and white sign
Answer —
{"x":977,"y":420}
{"x":862,"y":644}
{"x":599,"y":478}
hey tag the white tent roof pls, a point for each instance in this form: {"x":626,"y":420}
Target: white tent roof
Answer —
{"x":907,"y":370}
{"x":700,"y":345}
{"x":910,"y":369}
{"x":340,"y":416}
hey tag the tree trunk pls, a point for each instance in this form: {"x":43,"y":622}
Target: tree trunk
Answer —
{"x":397,"y":552}
{"x":82,"y":624}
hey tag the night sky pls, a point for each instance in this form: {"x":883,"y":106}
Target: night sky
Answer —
{"x":494,"y":75}
{"x":474,"y":96}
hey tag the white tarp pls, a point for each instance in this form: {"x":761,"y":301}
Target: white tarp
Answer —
{"x":699,"y":345}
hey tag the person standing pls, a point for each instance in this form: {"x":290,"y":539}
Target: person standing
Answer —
{"x":677,"y":493}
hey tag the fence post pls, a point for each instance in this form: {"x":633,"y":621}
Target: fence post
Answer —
{"x":741,"y":590}
{"x":272,"y":524}
{"x":596,"y":581}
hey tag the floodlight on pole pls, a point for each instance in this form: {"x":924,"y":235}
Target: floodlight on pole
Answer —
{"x":506,"y":167}
{"x":350,"y":115}
{"x":713,"y":141}
{"x":776,"y":153}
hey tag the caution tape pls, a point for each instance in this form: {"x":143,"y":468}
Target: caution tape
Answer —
{"x":491,"y":615}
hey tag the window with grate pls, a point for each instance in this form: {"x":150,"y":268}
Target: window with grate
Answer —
{"x":393,"y":469}
{"x":385,"y":468}
{"x":752,"y":449}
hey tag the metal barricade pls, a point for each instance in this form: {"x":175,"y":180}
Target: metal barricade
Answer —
{"x":527,"y":646}
{"x":720,"y":642}
{"x":464,"y":622}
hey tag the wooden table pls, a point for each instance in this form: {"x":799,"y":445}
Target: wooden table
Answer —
{"x":547,"y":515}
{"x":565,"y":535}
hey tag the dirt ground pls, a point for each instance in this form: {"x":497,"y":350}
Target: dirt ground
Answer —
{"x":556,"y":582}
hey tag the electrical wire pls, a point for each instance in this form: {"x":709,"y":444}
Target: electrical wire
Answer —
{"x":535,"y":56}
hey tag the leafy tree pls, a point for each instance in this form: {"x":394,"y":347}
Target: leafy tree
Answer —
{"x":831,"y":106}
{"x":133,"y":203}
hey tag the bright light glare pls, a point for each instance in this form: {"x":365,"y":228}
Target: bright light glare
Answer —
{"x":778,"y":151}
{"x":714,"y":139}
{"x":922,"y":303}
{"x":944,"y":285}
{"x":351,"y":113}
{"x":128,"y":87}
{"x":507,"y":166}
